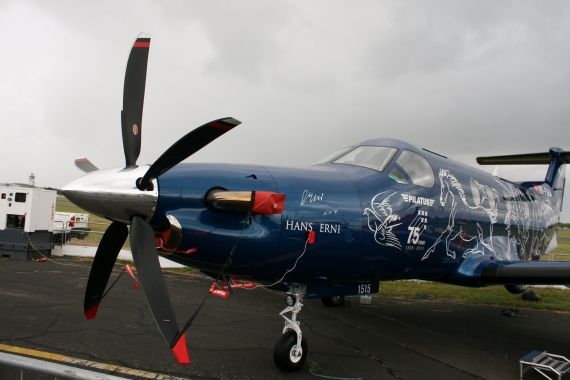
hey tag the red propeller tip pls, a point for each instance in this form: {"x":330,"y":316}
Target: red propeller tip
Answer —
{"x":91,"y":313}
{"x":181,"y":351}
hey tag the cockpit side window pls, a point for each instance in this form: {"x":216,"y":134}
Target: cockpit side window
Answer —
{"x":417,"y":167}
{"x":490,"y":196}
{"x":398,"y":176}
{"x":475,"y":193}
{"x":372,"y":157}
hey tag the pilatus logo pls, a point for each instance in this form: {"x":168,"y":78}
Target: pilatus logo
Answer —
{"x":135,"y":129}
{"x":418,"y":200}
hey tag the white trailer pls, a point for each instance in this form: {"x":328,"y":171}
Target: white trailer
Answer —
{"x":67,"y":225}
{"x":26,"y":221}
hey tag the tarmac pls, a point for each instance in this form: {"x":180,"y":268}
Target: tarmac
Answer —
{"x":41,"y":316}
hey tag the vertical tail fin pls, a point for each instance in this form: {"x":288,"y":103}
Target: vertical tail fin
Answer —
{"x":556,"y":175}
{"x":556,"y":158}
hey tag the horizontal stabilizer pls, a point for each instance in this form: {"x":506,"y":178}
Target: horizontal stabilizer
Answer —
{"x":527,"y":272}
{"x":522,"y":159}
{"x":85,"y":165}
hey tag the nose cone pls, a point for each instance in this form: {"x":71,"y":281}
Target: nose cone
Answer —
{"x":112,"y":194}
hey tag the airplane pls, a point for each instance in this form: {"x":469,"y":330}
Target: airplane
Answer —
{"x":378,"y":210}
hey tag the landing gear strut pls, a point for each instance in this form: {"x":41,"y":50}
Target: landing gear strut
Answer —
{"x":333,"y":301}
{"x":291,"y":349}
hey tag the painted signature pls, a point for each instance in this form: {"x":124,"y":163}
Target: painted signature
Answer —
{"x":310,"y":197}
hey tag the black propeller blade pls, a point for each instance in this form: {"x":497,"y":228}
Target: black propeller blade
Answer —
{"x":185,"y":147}
{"x":105,"y":257}
{"x":142,"y":239}
{"x":148,"y":268}
{"x":133,"y":99}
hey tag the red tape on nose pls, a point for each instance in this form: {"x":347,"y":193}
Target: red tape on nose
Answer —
{"x":268,"y":203}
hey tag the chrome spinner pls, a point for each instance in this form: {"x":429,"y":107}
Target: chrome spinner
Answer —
{"x":113,"y":194}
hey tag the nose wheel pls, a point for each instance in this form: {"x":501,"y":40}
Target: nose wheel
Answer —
{"x":287,"y":355}
{"x":291,"y":349}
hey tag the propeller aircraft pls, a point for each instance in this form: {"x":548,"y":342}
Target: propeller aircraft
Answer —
{"x":377,"y":210}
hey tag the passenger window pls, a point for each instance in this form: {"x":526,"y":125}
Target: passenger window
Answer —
{"x":20,"y":197}
{"x":526,"y":210}
{"x":417,"y":167}
{"x":508,"y":202}
{"x":490,"y":196}
{"x":475,"y":193}
{"x":398,"y":176}
{"x":372,"y":157}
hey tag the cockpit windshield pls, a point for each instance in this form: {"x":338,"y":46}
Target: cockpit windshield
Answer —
{"x":372,"y":157}
{"x":329,"y":157}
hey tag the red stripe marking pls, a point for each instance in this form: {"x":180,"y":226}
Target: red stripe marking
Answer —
{"x":141,"y":45}
{"x":221,"y":126}
{"x":462,"y":237}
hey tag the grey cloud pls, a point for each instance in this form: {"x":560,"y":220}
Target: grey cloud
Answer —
{"x":463,"y":78}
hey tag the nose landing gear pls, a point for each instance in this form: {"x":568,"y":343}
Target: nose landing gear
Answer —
{"x":291,"y":349}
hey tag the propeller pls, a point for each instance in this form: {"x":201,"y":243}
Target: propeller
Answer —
{"x":142,"y":238}
{"x":185,"y":147}
{"x":85,"y":165}
{"x":105,"y":257}
{"x":145,"y":256}
{"x":133,"y":99}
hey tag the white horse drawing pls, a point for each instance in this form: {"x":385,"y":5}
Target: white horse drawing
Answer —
{"x":450,"y":188}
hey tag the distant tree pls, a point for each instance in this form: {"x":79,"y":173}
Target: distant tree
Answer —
{"x":563,"y":225}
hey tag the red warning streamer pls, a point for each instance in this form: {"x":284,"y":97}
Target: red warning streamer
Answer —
{"x":130,"y":272}
{"x":217,"y":291}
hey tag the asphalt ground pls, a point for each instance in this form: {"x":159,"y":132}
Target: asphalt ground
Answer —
{"x":41,"y":309}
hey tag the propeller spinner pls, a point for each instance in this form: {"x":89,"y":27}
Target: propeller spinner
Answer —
{"x":128,"y":196}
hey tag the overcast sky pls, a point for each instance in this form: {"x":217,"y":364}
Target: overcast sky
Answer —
{"x":462,"y":78}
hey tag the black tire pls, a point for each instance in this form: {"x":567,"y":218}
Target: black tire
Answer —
{"x":283,"y":352}
{"x":516,"y":289}
{"x":333,"y":301}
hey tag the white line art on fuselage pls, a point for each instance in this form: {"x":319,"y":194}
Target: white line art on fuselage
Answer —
{"x":526,"y":217}
{"x":450,"y":187}
{"x":526,"y":220}
{"x":515,"y":217}
{"x":381,"y":219}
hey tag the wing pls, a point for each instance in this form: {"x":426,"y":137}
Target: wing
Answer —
{"x":486,"y":270}
{"x":527,"y":272}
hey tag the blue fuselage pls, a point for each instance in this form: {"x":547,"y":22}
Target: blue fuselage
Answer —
{"x":367,"y":225}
